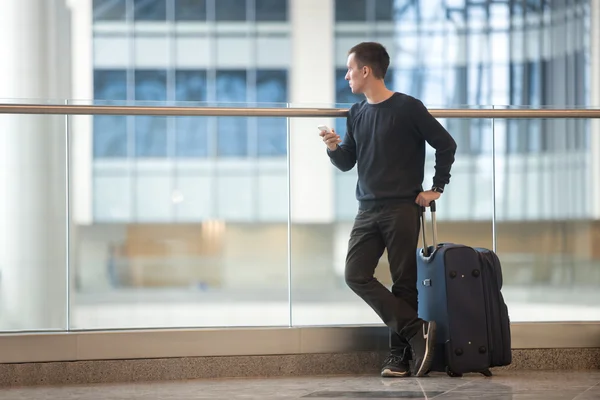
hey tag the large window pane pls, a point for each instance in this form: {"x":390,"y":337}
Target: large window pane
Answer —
{"x":232,"y":132}
{"x":350,"y":10}
{"x":110,"y":131}
{"x":271,"y":10}
{"x":384,"y":10}
{"x":109,"y":10}
{"x":151,"y":132}
{"x":230,"y":10}
{"x":190,"y":10}
{"x":272,"y":88}
{"x":149,"y":10}
{"x":191,"y":133}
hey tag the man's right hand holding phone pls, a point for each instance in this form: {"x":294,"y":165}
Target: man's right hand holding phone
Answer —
{"x":330,"y":138}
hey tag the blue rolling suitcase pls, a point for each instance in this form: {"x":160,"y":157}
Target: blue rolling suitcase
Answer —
{"x":460,"y":289}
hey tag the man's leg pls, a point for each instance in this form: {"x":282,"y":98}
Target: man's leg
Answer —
{"x":400,"y":227}
{"x":397,"y":362}
{"x":365,"y":247}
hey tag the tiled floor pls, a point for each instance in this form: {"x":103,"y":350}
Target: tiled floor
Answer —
{"x":543,"y":385}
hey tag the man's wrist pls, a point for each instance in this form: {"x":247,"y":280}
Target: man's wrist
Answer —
{"x":438,"y":189}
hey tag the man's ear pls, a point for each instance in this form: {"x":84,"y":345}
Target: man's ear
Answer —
{"x":366,"y":71}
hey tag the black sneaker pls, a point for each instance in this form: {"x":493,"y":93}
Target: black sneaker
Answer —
{"x":395,"y":367}
{"x":422,"y":345}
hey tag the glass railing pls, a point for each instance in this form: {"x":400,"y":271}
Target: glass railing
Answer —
{"x":145,"y":215}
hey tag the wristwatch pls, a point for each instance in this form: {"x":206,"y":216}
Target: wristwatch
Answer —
{"x":437,"y":189}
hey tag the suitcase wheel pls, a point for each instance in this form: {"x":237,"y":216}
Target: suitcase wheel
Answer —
{"x":452,"y":374}
{"x":486,"y":372}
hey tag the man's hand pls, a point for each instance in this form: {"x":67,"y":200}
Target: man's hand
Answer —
{"x":331,"y":139}
{"x":424,"y":198}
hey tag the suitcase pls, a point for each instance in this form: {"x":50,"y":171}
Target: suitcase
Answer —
{"x":459,"y":287}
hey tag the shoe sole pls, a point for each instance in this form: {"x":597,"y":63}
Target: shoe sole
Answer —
{"x":388,"y":373}
{"x":429,"y":345}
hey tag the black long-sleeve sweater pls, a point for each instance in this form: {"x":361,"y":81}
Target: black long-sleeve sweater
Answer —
{"x":387,"y":142}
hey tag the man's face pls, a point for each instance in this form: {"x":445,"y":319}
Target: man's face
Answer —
{"x":355,"y":75}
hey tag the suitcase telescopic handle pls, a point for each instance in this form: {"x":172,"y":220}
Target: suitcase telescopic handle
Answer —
{"x":433,"y":226}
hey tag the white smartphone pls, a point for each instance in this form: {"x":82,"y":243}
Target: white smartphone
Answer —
{"x":324,"y":128}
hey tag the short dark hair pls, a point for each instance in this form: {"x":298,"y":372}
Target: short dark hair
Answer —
{"x":373,"y":55}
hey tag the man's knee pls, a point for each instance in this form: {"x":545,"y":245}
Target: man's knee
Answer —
{"x":356,"y":281}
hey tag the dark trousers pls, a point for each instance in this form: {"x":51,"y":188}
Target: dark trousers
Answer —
{"x":395,"y":227}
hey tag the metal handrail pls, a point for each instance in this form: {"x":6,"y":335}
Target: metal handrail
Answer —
{"x":278,"y":112}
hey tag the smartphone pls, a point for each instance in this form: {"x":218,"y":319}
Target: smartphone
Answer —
{"x":324,"y":128}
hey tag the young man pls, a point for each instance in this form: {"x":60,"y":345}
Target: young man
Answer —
{"x":386,"y":136}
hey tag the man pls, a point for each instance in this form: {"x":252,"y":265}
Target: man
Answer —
{"x":386,"y":136}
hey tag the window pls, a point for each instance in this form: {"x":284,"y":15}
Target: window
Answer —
{"x":271,"y":10}
{"x":364,"y":10}
{"x":109,"y":10}
{"x":271,"y":86}
{"x":150,"y":10}
{"x":232,"y":137}
{"x":384,"y":10}
{"x":230,"y":10}
{"x":351,"y":10}
{"x":110,"y":131}
{"x":150,"y":132}
{"x":191,"y":133}
{"x":190,"y":10}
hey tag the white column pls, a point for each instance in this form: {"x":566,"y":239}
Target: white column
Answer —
{"x":34,"y":66}
{"x":595,"y":102}
{"x":312,"y":85}
{"x":82,"y":65}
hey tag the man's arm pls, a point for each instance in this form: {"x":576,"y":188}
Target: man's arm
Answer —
{"x":438,"y":138}
{"x":344,"y":155}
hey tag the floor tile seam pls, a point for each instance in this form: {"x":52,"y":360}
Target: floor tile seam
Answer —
{"x":586,"y":390}
{"x":448,"y":391}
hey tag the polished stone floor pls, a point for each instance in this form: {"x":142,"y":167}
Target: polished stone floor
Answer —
{"x":505,"y":385}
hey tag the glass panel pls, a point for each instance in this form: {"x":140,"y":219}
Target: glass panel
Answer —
{"x":110,"y":131}
{"x":230,"y":10}
{"x":109,"y":10}
{"x":149,"y":10}
{"x":33,"y":231}
{"x":271,"y":10}
{"x":192,"y":243}
{"x":545,"y":221}
{"x":190,"y":10}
